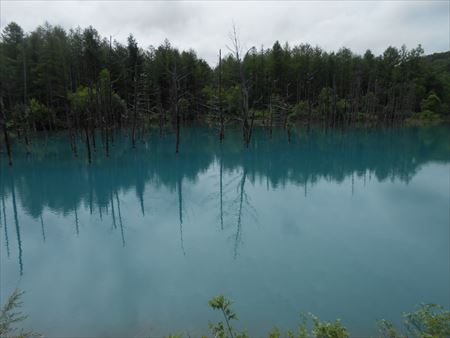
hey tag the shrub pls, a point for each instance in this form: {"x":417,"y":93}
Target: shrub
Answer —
{"x":9,"y":317}
{"x":431,"y":103}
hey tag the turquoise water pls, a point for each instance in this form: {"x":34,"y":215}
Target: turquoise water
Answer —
{"x":344,"y":224}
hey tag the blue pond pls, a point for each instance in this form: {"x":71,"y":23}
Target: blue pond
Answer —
{"x":349,"y":224}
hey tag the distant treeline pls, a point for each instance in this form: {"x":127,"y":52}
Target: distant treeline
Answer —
{"x":76,"y":80}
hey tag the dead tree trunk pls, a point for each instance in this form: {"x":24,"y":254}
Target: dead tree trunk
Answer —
{"x":5,"y":132}
{"x":88,"y":145}
{"x":7,"y":144}
{"x":246,"y":127}
{"x":177,"y":146}
{"x":133,"y":133}
{"x":222,"y":128}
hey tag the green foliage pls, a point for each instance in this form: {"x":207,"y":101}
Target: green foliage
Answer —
{"x":342,"y":106}
{"x":10,"y":317}
{"x":183,"y":105}
{"x":274,"y":333}
{"x":258,"y":114}
{"x":387,"y":329}
{"x":209,"y":91}
{"x":423,"y":116}
{"x":219,"y":330}
{"x":369,"y":100}
{"x":222,"y":303}
{"x":176,"y":335}
{"x":429,"y":320}
{"x":300,"y":108}
{"x":322,"y":329}
{"x":319,"y":328}
{"x":232,"y":99}
{"x":302,"y":329}
{"x":39,"y":111}
{"x":431,"y":103}
{"x":104,"y":75}
{"x":20,"y":113}
{"x":118,"y":104}
{"x":80,"y":100}
{"x":325,"y":100}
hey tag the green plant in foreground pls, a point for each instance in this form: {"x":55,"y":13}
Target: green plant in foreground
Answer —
{"x":320,"y":328}
{"x":10,"y":316}
{"x":218,"y":330}
{"x":428,"y":321}
{"x":387,"y":329}
{"x":323,"y":329}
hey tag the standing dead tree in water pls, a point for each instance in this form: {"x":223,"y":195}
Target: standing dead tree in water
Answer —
{"x":177,"y":100}
{"x":222,"y":127}
{"x":140,"y":107}
{"x":247,"y":121}
{"x":81,"y":105}
{"x":5,"y":131}
{"x":137,"y":92}
{"x":216,"y":103}
{"x":221,"y":186}
{"x":88,"y":142}
{"x":278,"y":112}
{"x":135,"y":107}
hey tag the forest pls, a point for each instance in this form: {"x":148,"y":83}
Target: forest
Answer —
{"x":91,"y":86}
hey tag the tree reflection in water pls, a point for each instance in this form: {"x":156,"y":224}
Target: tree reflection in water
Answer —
{"x":53,"y":178}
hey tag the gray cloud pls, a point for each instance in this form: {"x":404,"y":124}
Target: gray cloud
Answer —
{"x":204,"y":26}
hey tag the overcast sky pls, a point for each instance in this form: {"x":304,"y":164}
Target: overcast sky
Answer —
{"x":205,"y":26}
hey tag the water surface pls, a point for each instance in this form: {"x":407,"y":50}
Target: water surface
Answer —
{"x":344,"y":224}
